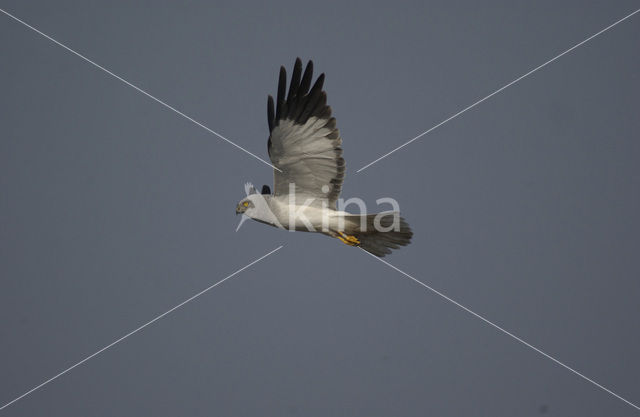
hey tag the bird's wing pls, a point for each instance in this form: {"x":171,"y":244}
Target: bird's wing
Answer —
{"x":304,"y":142}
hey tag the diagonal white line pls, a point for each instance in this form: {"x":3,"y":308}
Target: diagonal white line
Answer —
{"x":504,"y":331}
{"x":498,"y":90}
{"x":137,"y":89}
{"x":138,"y":329}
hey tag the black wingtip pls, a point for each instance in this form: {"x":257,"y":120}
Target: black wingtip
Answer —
{"x":317,"y":86}
{"x":295,"y":83}
{"x":282,"y":86}
{"x":306,"y":79}
{"x":300,"y":101}
{"x":270,"y":113}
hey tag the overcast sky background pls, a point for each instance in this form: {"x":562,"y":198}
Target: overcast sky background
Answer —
{"x":114,"y":209}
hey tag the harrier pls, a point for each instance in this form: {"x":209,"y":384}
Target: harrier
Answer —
{"x":305,"y":148}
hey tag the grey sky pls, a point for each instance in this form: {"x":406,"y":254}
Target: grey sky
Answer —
{"x":114,"y":209}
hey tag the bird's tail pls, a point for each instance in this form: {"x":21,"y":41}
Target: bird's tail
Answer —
{"x":379,"y":233}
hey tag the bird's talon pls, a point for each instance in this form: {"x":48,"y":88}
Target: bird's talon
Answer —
{"x":348,"y":239}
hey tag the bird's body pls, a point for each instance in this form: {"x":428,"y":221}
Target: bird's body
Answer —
{"x":305,"y":148}
{"x":302,"y":218}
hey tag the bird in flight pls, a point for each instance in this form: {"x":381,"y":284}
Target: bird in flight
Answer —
{"x":305,"y":149}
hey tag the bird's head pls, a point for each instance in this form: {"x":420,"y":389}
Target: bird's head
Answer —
{"x":256,"y":206}
{"x":248,"y":204}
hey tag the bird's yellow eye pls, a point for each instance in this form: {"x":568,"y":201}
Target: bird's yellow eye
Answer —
{"x":246,"y":204}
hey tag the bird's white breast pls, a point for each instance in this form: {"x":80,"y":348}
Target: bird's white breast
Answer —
{"x":313,"y":218}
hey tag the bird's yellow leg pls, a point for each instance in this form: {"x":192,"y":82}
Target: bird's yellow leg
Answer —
{"x":348,"y":239}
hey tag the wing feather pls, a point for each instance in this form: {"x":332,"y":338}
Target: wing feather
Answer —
{"x":304,"y":141}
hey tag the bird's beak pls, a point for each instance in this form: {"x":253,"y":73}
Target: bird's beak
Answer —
{"x":242,"y":220}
